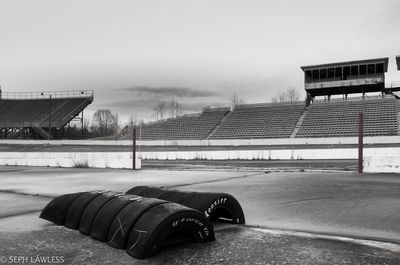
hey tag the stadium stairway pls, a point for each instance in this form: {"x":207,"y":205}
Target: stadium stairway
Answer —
{"x":299,"y":123}
{"x":43,"y":132}
{"x":218,"y":125}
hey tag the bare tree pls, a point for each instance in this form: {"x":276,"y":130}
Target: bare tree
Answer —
{"x":105,"y":123}
{"x":134,"y":121}
{"x":161,"y":110}
{"x":282,"y":97}
{"x":292,"y":94}
{"x":175,"y":108}
{"x":236,"y":100}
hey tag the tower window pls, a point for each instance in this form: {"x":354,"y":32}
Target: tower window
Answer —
{"x":322,"y":74}
{"x":338,"y":72}
{"x":331,"y":72}
{"x":315,"y":75}
{"x":308,"y":75}
{"x":371,"y":69}
{"x":379,"y":68}
{"x":354,"y":70}
{"x":363,"y":69}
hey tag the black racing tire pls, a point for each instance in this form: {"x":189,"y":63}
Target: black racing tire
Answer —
{"x":221,"y":207}
{"x":126,"y":218}
{"x":176,"y":196}
{"x":56,"y":210}
{"x":165,"y":223}
{"x":106,"y":215}
{"x":74,"y":214}
{"x":137,"y":190}
{"x":92,"y":209}
{"x":146,"y":191}
{"x":151,"y":192}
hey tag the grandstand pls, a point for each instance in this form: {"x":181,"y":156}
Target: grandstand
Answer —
{"x":40,"y":114}
{"x":281,"y":120}
{"x":319,"y":116}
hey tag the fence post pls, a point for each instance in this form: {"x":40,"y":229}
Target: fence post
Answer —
{"x":360,"y":141}
{"x":133,"y":148}
{"x":49,"y":118}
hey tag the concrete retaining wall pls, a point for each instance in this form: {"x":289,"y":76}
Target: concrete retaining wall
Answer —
{"x":69,"y":159}
{"x":382,"y":160}
{"x":386,"y":164}
{"x":278,"y":141}
{"x":342,"y":153}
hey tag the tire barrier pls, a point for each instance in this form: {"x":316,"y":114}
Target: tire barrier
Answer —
{"x":56,"y":210}
{"x":221,"y":207}
{"x":164,"y":224}
{"x":126,"y":218}
{"x":91,"y":210}
{"x":75,"y":210}
{"x":140,"y":225}
{"x":106,"y":215}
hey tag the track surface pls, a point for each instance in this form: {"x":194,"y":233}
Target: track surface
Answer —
{"x":344,"y":204}
{"x":257,"y":165}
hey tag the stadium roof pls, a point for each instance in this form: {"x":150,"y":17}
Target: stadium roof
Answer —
{"x":384,"y":60}
{"x":398,"y":62}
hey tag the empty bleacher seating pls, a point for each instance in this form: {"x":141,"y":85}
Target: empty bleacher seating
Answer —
{"x":186,"y":127}
{"x":255,"y":121}
{"x":340,"y":118}
{"x":337,"y":118}
{"x":20,"y":113}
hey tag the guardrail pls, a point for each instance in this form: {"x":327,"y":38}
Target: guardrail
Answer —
{"x":47,"y":94}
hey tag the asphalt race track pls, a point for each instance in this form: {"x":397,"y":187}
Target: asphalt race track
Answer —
{"x":256,"y":165}
{"x":304,"y":214}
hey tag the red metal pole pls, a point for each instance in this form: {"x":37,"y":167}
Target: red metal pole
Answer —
{"x":134,"y":148}
{"x":360,"y":141}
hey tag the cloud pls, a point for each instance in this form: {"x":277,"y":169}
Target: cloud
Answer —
{"x":134,"y":103}
{"x":159,"y":92}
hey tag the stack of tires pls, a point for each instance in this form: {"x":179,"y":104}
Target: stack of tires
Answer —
{"x":145,"y":219}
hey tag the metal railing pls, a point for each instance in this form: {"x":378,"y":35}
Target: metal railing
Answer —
{"x":47,"y":94}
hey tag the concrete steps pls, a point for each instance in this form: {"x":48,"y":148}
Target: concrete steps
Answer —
{"x":222,"y":121}
{"x":299,"y":123}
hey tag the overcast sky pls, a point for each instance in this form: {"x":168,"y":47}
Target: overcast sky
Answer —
{"x":136,"y":53}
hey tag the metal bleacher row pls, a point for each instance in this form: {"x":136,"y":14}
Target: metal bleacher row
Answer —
{"x":279,"y":120}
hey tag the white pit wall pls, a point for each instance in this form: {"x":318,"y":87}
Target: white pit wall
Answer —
{"x":70,"y":159}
